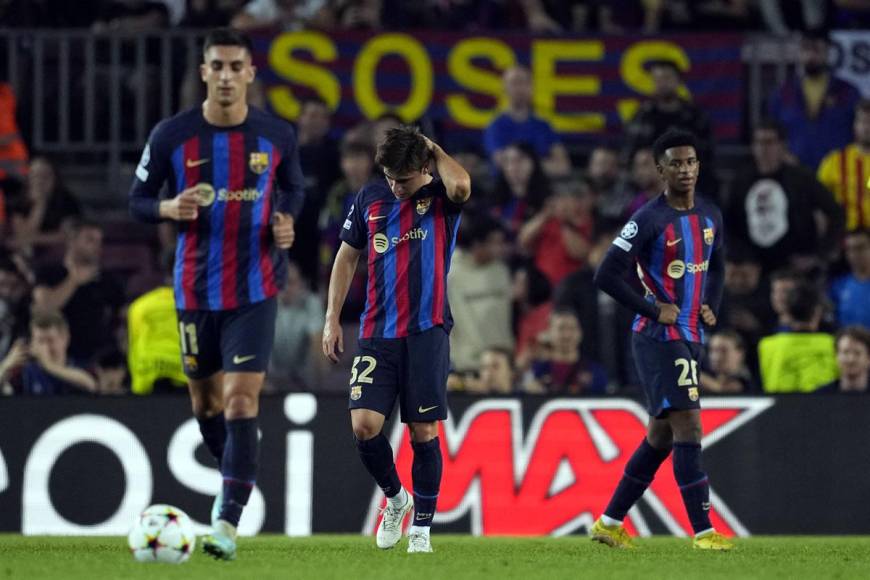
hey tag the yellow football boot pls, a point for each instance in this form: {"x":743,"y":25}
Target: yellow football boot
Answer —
{"x":712,"y":540}
{"x":613,"y":536}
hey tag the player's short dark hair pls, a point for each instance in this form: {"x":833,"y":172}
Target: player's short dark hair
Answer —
{"x":855,"y":332}
{"x":403,"y":150}
{"x":476,"y":227}
{"x":227,"y":37}
{"x":771,"y":125}
{"x":734,"y":337}
{"x":673,"y":138}
{"x":803,"y":301}
{"x":664,"y":63}
{"x":48,"y":319}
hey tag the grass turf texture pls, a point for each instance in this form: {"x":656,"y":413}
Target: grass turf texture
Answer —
{"x":455,"y":558}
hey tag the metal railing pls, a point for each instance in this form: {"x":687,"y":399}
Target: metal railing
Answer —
{"x":94,"y":97}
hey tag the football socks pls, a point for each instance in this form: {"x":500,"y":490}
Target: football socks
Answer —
{"x":426,"y":474}
{"x":377,"y":456}
{"x":693,"y":483}
{"x":214,"y":434}
{"x":239,"y":467}
{"x":639,"y":473}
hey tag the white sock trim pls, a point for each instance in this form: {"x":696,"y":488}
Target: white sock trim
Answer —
{"x":705,"y":532}
{"x":399,"y":499}
{"x":609,"y":521}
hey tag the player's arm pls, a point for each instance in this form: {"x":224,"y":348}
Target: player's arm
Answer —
{"x":151,"y":174}
{"x":456,"y":180}
{"x":834,"y":218}
{"x":610,"y":278}
{"x":343,"y":269}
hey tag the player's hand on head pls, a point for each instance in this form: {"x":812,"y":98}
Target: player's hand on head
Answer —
{"x":668,"y":312}
{"x":707,"y":315}
{"x":283,"y":230}
{"x":333,"y":340}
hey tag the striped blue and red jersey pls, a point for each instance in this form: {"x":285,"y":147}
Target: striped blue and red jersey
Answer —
{"x":679,"y":259}
{"x":409,"y":244}
{"x":225,"y":258}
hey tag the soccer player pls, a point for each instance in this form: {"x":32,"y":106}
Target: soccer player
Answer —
{"x":675,"y":240}
{"x":234,"y":188}
{"x":407,"y":222}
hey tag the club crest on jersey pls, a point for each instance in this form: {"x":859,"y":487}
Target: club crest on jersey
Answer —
{"x":258,"y":162}
{"x":190,"y":362}
{"x":708,"y":236}
{"x":693,"y":394}
{"x":423,"y":205}
{"x":205,"y":193}
{"x":355,"y":393}
{"x":676,"y":269}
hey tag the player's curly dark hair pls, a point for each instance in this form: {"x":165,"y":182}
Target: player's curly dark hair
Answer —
{"x":403,"y":151}
{"x":673,"y":138}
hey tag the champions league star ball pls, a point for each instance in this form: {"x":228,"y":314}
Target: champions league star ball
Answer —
{"x":162,"y":533}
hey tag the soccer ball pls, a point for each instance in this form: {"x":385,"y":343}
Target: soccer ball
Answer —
{"x":162,"y":533}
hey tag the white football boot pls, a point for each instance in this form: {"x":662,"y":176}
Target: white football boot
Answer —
{"x":390,"y":528}
{"x":418,"y":540}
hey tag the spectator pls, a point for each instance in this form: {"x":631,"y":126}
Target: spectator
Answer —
{"x":154,"y":351}
{"x":43,"y":367}
{"x":727,"y":372}
{"x":602,"y":175}
{"x":89,"y":298}
{"x":777,"y":207}
{"x":851,"y":292}
{"x":846,"y":172}
{"x":782,"y":282}
{"x":111,"y":372}
{"x":801,"y":359}
{"x":518,"y":124}
{"x":558,"y":368}
{"x":782,"y":17}
{"x":853,"y":362}
{"x":210,"y":13}
{"x":495,"y":375}
{"x":479,"y":292}
{"x":746,"y":301}
{"x":667,"y":108}
{"x":319,"y":159}
{"x":815,"y":108}
{"x":48,"y":205}
{"x":297,"y":335}
{"x":646,"y":181}
{"x":521,"y":187}
{"x":560,"y":237}
{"x":532,"y":295}
{"x":284,"y":15}
{"x":14,"y":303}
{"x":357,"y":163}
{"x":13,"y":151}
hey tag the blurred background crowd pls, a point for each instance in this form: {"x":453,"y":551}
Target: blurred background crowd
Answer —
{"x":85,"y":294}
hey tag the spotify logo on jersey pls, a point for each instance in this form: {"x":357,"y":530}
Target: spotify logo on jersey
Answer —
{"x":676,"y":269}
{"x":380,"y":242}
{"x":206,"y":194}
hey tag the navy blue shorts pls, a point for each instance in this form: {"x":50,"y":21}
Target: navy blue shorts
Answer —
{"x":668,"y":372}
{"x":233,"y":341}
{"x":413,"y":368}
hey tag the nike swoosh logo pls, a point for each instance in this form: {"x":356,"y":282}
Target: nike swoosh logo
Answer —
{"x":237,"y":360}
{"x":196,"y":163}
{"x":422,"y":409}
{"x":374,"y":218}
{"x":674,"y":242}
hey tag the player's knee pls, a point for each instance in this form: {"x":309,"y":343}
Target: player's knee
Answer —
{"x":364,"y":431}
{"x":687,"y":433}
{"x":422,"y":432}
{"x":240,"y":405}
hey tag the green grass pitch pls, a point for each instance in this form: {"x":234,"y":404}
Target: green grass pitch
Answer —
{"x":455,"y":558}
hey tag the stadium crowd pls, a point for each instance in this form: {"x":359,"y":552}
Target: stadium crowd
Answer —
{"x":528,"y":319}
